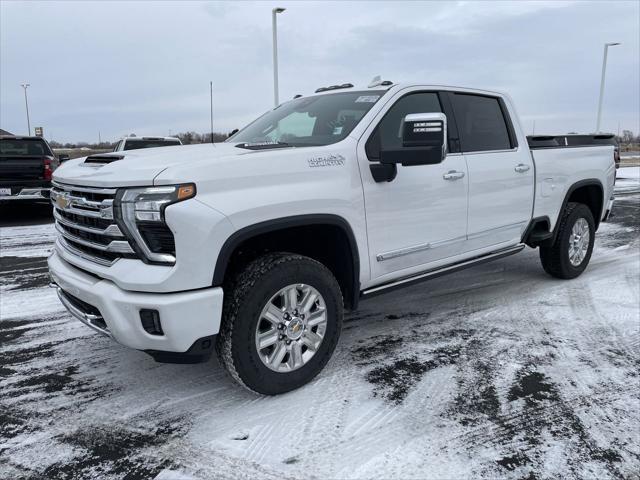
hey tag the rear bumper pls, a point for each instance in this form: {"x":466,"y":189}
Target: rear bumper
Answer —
{"x":40,"y":194}
{"x":185,"y":317}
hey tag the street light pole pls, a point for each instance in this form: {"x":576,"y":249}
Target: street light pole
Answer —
{"x":604,"y":69}
{"x":274,"y":24}
{"x":26,"y":104}
{"x":211,"y":107}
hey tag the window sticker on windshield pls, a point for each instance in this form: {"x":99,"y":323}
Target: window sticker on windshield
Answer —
{"x":367,"y":99}
{"x":337,"y":130}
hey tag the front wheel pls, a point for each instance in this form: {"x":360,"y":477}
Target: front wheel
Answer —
{"x":570,"y":253}
{"x":281,"y":323}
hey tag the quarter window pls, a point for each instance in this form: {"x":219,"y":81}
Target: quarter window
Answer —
{"x":481,"y":123}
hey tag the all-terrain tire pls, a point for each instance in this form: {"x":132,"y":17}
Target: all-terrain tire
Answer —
{"x":247,"y":294}
{"x":555,"y":257}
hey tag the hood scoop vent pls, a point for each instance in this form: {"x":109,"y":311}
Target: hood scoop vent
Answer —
{"x":103,"y":159}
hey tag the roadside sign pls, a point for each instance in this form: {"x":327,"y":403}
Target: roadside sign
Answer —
{"x":39,"y":132}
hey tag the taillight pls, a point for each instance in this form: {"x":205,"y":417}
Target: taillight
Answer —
{"x":616,"y":158}
{"x":46,"y":173}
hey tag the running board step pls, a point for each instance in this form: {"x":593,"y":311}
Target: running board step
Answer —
{"x":419,"y":277}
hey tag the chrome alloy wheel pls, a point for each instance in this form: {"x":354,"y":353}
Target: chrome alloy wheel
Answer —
{"x":291,"y":327}
{"x":579,"y":242}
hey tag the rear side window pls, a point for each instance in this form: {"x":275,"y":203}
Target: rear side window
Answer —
{"x":481,"y":123}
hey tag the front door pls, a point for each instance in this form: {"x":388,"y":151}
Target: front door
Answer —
{"x":420,"y":217}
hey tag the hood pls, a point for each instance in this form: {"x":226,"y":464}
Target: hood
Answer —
{"x":141,"y":167}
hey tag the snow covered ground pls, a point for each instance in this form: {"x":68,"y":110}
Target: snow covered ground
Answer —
{"x":628,"y":180}
{"x":495,"y":372}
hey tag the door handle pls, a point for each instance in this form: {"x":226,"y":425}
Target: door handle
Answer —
{"x":453,"y":175}
{"x":521,"y":168}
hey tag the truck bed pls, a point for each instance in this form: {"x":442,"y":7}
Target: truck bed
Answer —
{"x":559,"y":167}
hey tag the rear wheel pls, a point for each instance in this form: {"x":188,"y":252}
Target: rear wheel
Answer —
{"x":281,"y":323}
{"x":570,"y":253}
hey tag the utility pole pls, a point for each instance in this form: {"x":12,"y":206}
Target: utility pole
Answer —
{"x":274,"y":26}
{"x":604,"y":70}
{"x":99,"y":138}
{"x":211,"y":104}
{"x":26,"y":104}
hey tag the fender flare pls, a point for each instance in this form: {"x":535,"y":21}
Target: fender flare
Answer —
{"x":272,"y":225}
{"x":582,"y":183}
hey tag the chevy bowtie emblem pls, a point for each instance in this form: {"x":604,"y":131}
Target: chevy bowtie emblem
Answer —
{"x":62,"y":201}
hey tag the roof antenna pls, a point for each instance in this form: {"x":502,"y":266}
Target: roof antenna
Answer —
{"x":375,"y":81}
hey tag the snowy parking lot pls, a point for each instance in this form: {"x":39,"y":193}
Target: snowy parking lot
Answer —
{"x":499,"y":371}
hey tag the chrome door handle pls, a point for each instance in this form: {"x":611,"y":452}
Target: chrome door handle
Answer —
{"x":453,"y":175}
{"x":521,"y":168}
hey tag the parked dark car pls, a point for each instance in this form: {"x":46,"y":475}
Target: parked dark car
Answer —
{"x":26,"y":166}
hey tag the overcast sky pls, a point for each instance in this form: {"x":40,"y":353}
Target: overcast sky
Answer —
{"x":124,"y":67}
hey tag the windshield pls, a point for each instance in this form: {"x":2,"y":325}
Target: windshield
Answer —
{"x":307,"y":121}
{"x":24,"y":146}
{"x":136,"y":144}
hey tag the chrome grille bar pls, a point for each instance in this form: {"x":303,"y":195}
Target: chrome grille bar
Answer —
{"x":76,"y":188}
{"x":79,"y":253}
{"x":115,"y":246}
{"x":111,"y":231}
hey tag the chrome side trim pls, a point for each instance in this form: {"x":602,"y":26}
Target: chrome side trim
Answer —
{"x":112,"y":230}
{"x":417,"y":248}
{"x":86,"y":256}
{"x":75,"y":188}
{"x":443,"y":270}
{"x":87,"y":318}
{"x":116,"y":246}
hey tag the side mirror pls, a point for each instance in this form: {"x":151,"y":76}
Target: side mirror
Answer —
{"x":63,"y":157}
{"x":424,"y":141}
{"x":233,"y":132}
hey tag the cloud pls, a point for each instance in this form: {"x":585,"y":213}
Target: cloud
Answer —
{"x":145,"y":67}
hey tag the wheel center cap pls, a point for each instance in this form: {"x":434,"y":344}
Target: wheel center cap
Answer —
{"x":295,"y":328}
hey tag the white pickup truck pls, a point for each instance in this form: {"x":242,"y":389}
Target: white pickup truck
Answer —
{"x":254,"y":247}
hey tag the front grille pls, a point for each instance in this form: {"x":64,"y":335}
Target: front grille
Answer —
{"x":85,"y":223}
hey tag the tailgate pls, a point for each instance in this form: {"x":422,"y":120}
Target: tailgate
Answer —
{"x":14,"y":168}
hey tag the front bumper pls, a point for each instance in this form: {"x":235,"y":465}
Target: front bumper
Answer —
{"x":186,"y":317}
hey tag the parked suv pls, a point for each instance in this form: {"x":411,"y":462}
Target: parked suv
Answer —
{"x":135,"y":143}
{"x":255,"y":246}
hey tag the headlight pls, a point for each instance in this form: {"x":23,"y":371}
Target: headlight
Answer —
{"x":140,"y":213}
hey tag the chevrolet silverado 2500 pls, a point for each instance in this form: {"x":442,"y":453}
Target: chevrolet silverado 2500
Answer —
{"x":254,"y":247}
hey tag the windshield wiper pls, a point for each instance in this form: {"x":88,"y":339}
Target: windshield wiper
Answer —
{"x":263,"y":145}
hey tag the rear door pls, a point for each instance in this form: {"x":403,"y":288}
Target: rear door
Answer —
{"x":501,"y":172}
{"x":419,"y":217}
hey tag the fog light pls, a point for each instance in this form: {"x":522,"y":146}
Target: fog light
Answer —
{"x":150,"y":320}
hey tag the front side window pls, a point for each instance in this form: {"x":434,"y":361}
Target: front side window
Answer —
{"x":310,"y":121}
{"x":481,"y":123}
{"x":388,"y":133}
